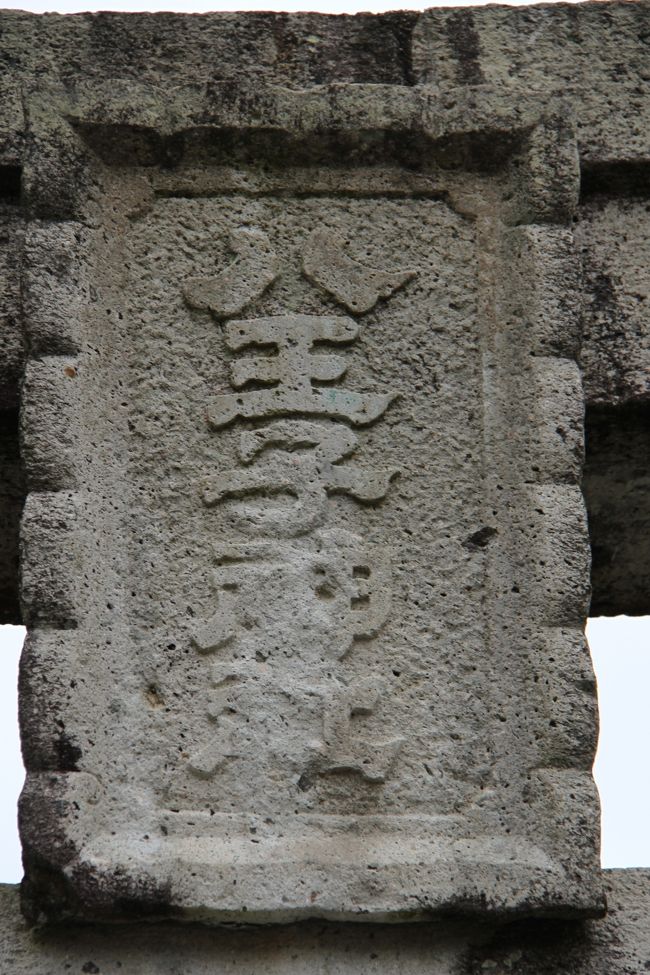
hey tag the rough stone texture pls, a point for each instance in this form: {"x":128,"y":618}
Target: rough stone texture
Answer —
{"x":300,"y":309}
{"x":286,"y":557}
{"x":616,"y":945}
{"x":11,"y":502}
{"x":613,"y":237}
{"x":617,"y":491}
{"x":11,"y":337}
{"x":11,"y":367}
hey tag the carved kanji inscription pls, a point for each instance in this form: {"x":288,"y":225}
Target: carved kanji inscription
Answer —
{"x":357,"y":287}
{"x":255,"y":267}
{"x":310,"y":503}
{"x":338,"y":569}
{"x":263,"y":587}
{"x":312,"y":660}
{"x":291,"y":372}
{"x":304,"y":555}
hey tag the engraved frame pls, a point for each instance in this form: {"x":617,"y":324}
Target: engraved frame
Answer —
{"x":531,"y":378}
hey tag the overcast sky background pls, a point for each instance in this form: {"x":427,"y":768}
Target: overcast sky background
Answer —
{"x":620,"y":647}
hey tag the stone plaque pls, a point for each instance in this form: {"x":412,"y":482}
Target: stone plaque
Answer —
{"x":305,"y":555}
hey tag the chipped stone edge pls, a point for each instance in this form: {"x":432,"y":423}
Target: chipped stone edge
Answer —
{"x":533,"y":371}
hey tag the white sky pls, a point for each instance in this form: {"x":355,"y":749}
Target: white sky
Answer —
{"x":620,"y":647}
{"x":11,"y":768}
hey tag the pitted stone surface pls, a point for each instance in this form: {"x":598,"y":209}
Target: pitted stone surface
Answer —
{"x":304,"y":552}
{"x":616,"y":945}
{"x":295,"y":638}
{"x":613,"y":238}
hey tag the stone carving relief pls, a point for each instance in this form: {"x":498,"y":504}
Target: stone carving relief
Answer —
{"x":254,"y":269}
{"x":235,"y":697}
{"x":304,"y":465}
{"x":327,"y":265}
{"x":294,"y":591}
{"x":351,"y":577}
{"x":292,"y":370}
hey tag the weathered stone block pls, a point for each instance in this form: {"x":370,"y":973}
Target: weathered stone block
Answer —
{"x":12,"y":492}
{"x":302,"y":436}
{"x":296,"y":315}
{"x":613,"y":239}
{"x":617,"y":490}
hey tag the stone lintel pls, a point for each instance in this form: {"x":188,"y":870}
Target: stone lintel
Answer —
{"x":615,"y":945}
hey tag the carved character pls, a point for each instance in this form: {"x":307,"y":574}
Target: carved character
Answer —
{"x":354,"y":285}
{"x":345,"y":583}
{"x":306,"y":469}
{"x":205,"y":762}
{"x":254,"y":269}
{"x":339,"y":750}
{"x":290,"y":372}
